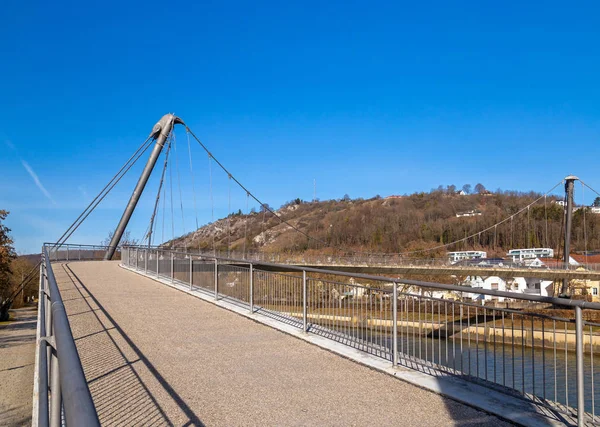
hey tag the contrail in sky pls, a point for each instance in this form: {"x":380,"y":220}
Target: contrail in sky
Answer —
{"x":37,"y":181}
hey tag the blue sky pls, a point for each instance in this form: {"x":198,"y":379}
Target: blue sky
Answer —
{"x":365,"y":97}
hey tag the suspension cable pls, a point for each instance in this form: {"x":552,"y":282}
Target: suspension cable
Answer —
{"x":212,"y":203}
{"x":179,"y":186}
{"x":171,"y":197}
{"x":192,"y":176}
{"x":486,"y":229}
{"x":157,"y":202}
{"x":267,"y":208}
{"x":546,"y":215}
{"x":246,"y":225}
{"x":584,"y":207}
{"x":228,"y":215}
{"x":104,"y":192}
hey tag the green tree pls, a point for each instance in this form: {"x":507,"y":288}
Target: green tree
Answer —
{"x":596,"y":202}
{"x":7,"y":255}
{"x":7,"y":252}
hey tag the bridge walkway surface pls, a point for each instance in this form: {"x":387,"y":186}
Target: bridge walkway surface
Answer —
{"x":153,"y":355}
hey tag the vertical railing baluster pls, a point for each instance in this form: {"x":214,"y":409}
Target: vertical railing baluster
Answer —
{"x":579,"y":365}
{"x":395,"y":325}
{"x":172,"y":267}
{"x":251,"y":288}
{"x":304,"y":300}
{"x":216,"y":279}
{"x":191,"y":272}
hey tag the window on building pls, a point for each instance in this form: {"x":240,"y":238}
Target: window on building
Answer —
{"x":595,"y":291}
{"x":495,"y":286}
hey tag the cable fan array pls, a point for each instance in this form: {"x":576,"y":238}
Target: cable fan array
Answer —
{"x":223,"y":191}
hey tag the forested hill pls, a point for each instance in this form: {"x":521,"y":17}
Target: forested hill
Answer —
{"x":398,"y":224}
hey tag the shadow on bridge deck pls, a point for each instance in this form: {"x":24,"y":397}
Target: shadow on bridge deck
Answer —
{"x":156,"y":356}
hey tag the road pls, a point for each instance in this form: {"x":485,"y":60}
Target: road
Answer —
{"x":17,"y":355}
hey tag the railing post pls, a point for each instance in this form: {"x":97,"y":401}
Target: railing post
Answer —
{"x":216,"y":279}
{"x":251,"y":288}
{"x":79,"y":253}
{"x":579,"y":365}
{"x":55,"y":399}
{"x":304,"y":303}
{"x":172,"y":267}
{"x":157,"y":264}
{"x":395,"y":326}
{"x":145,"y":261}
{"x":191,"y":272}
{"x":43,"y":416}
{"x":67,"y":253}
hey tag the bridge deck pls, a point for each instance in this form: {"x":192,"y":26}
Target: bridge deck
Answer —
{"x":156,"y":356}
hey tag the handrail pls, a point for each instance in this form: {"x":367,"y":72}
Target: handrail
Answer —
{"x":392,"y":259}
{"x":441,"y":286}
{"x":61,"y":371}
{"x":321,"y":308}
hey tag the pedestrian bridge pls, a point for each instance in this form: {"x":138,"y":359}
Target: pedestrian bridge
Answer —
{"x":154,"y":355}
{"x":168,"y":338}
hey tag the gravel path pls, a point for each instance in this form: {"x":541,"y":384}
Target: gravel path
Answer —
{"x":17,"y":355}
{"x":156,"y":356}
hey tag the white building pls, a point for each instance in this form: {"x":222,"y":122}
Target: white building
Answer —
{"x":468,"y":213}
{"x":533,"y":286}
{"x":460,"y":255}
{"x":521,"y":254}
{"x":485,"y":282}
{"x":595,"y":209}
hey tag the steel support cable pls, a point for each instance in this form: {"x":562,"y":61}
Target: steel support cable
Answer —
{"x":597,"y":193}
{"x":164,"y":198}
{"x":192,"y":176}
{"x":228,"y":214}
{"x":99,"y":198}
{"x":171,"y":197}
{"x":546,"y":215}
{"x":354,"y":251}
{"x":265,"y":207}
{"x":584,"y":230}
{"x":141,"y":149}
{"x":210,"y":190}
{"x":486,"y":229}
{"x":179,"y":187}
{"x":157,"y":201}
{"x":246,"y":224}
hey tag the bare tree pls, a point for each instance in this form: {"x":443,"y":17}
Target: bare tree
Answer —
{"x":126,"y":240}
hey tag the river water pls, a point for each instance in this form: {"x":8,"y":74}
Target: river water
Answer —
{"x":545,"y":373}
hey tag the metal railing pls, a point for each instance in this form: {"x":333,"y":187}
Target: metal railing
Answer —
{"x":545,"y":356}
{"x":63,"y":395}
{"x":385,"y":260}
{"x":75,"y":252}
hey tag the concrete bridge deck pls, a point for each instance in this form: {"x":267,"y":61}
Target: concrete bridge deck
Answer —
{"x":155,"y":356}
